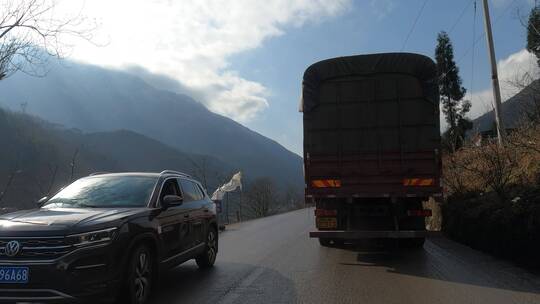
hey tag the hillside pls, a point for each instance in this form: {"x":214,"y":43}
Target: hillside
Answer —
{"x":37,"y":157}
{"x":513,"y":109}
{"x":95,"y":99}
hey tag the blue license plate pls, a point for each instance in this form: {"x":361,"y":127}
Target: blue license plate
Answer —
{"x":10,"y":274}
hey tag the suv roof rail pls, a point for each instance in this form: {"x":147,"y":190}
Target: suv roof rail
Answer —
{"x":98,"y":173}
{"x":174,"y":172}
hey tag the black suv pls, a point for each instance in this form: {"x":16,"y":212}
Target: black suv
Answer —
{"x":106,"y":236}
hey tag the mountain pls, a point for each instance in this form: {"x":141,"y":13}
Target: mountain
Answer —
{"x":36,"y":157}
{"x":95,"y":99}
{"x":513,"y":110}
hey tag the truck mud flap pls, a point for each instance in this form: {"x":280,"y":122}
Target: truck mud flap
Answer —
{"x":391,"y":234}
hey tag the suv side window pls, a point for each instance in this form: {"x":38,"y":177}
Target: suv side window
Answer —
{"x":170,"y":187}
{"x":203,"y":193}
{"x":191,"y":192}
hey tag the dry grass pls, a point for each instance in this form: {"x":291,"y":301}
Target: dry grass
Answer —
{"x":493,"y":197}
{"x":491,"y":168}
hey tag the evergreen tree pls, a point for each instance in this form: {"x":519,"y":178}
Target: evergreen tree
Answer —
{"x":454,"y":106}
{"x":533,"y":33}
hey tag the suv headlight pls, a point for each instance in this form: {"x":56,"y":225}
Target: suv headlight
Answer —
{"x":93,"y":237}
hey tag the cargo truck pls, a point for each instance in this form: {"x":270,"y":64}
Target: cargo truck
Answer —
{"x":371,"y":146}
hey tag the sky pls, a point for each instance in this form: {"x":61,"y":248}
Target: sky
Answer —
{"x":245,"y":59}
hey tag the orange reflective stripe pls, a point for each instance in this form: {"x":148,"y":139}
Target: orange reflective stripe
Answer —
{"x":326,"y":183}
{"x":418,"y":182}
{"x":317,"y":183}
{"x":426,"y":182}
{"x":410,"y":181}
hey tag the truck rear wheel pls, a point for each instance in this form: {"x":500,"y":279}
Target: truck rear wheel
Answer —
{"x":331,"y":242}
{"x":325,"y":242}
{"x":415,"y":243}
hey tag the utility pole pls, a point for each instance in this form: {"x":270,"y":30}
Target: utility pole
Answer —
{"x":494,"y":77}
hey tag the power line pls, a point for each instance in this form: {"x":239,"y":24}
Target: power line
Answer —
{"x":484,"y":34}
{"x":461,"y":16}
{"x":477,"y":39}
{"x":414,"y":25}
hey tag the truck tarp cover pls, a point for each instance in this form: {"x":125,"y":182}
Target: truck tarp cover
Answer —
{"x":370,"y":121}
{"x":419,"y":66}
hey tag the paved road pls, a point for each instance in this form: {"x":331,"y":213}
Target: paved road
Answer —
{"x":272,"y":260}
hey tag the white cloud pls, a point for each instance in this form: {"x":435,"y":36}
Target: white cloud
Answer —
{"x":514,"y":72}
{"x":192,"y":41}
{"x":519,"y":67}
{"x":382,"y":8}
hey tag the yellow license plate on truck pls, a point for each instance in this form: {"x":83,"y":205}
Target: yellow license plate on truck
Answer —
{"x":326,"y":223}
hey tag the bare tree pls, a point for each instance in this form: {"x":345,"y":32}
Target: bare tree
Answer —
{"x":31,"y":33}
{"x":294,"y":198}
{"x":484,"y":168}
{"x":73,"y":163}
{"x":200,"y":169}
{"x":526,"y":138}
{"x":45,"y":189}
{"x":455,"y":173}
{"x":261,"y":198}
{"x":9,"y":181}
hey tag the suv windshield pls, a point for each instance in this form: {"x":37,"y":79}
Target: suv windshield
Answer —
{"x":105,"y":192}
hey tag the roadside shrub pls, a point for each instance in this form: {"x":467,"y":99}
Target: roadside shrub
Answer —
{"x":493,"y":196}
{"x":506,"y":228}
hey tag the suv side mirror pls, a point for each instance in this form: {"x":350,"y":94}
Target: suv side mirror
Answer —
{"x":42,"y":201}
{"x":171,"y":200}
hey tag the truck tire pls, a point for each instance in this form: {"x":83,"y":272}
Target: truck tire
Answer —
{"x":325,"y":242}
{"x":338,"y":243}
{"x":331,"y":243}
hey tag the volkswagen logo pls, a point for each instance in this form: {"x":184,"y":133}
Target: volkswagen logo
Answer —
{"x":12,"y":248}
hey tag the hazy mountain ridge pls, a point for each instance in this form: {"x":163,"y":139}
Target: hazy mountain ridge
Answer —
{"x":95,"y":99}
{"x":37,"y":157}
{"x":513,"y":110}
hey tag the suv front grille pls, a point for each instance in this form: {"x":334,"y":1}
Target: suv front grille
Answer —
{"x":46,"y":248}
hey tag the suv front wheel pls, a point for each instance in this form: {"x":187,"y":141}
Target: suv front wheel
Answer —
{"x":139,"y":276}
{"x":208,"y":257}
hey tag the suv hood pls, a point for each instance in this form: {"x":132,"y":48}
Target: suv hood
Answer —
{"x":62,"y":218}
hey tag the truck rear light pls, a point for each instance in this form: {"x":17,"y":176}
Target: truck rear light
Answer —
{"x":418,"y":182}
{"x":326,"y":183}
{"x":325,"y":212}
{"x":424,"y":212}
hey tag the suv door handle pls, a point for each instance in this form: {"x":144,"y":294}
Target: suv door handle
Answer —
{"x":186,"y":215}
{"x":206,"y":210}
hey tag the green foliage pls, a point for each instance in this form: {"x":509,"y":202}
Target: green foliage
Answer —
{"x":452,"y":93}
{"x":533,"y":33}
